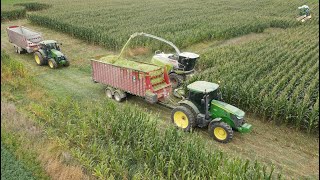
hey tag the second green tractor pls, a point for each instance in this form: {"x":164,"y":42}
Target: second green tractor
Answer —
{"x":49,"y":53}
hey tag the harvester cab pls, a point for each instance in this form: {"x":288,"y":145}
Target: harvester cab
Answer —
{"x":178,"y":65}
{"x":203,"y":107}
{"x":304,"y":13}
{"x":49,"y":53}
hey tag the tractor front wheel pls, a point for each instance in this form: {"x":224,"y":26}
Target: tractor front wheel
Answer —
{"x":67,"y":64}
{"x":220,"y":131}
{"x":39,"y":58}
{"x":52,"y":64}
{"x":176,"y":80}
{"x":183,"y":118}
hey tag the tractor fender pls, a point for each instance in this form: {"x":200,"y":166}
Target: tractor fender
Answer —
{"x":41,"y":51}
{"x":191,"y":105}
{"x":215,"y":120}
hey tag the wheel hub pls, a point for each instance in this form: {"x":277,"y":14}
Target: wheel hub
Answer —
{"x":220,"y":133}
{"x":180,"y":119}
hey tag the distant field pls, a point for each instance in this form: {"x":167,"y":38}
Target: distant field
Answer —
{"x":183,"y":22}
{"x":277,"y":77}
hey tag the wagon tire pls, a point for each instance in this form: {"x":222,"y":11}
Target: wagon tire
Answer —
{"x":220,"y":131}
{"x":117,"y":96}
{"x":176,"y":80}
{"x":52,"y":63}
{"x":19,"y":52}
{"x":109,"y":93}
{"x":39,"y":59}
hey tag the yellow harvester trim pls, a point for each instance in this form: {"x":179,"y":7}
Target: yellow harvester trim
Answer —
{"x":181,"y":119}
{"x":220,"y":133}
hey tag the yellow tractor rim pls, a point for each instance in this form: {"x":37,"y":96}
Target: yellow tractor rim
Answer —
{"x":220,"y":133}
{"x":181,"y":119}
{"x":36,"y":57}
{"x":50,"y":64}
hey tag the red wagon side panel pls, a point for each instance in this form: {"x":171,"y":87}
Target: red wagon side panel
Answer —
{"x":128,"y":80}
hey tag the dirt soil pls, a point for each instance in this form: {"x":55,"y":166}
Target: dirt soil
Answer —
{"x":293,"y":153}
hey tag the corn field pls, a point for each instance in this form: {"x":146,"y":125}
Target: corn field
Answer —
{"x":277,"y":78}
{"x":110,"y":23}
{"x":125,"y":143}
{"x":12,"y":12}
{"x":18,"y":10}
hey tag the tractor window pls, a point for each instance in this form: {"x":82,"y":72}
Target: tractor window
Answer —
{"x":196,"y":97}
{"x":216,"y":95}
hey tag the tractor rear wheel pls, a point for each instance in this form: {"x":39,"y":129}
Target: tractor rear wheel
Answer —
{"x":39,"y":58}
{"x":176,"y":80}
{"x":183,"y":118}
{"x":220,"y":131}
{"x":52,"y":64}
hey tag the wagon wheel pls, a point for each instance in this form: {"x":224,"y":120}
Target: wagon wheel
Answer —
{"x":117,"y":96}
{"x":176,"y":80}
{"x":109,"y":93}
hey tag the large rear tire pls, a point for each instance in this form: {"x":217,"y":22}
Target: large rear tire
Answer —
{"x":183,"y":118}
{"x":39,"y":58}
{"x":220,"y":131}
{"x":176,"y":80}
{"x":52,"y":64}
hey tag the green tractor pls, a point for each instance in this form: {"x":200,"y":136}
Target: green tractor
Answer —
{"x":49,"y":53}
{"x":203,"y":107}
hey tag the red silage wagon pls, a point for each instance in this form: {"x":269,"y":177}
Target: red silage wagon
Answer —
{"x":153,"y":85}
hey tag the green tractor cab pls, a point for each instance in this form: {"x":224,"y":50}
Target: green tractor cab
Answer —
{"x":203,"y":107}
{"x":49,"y":53}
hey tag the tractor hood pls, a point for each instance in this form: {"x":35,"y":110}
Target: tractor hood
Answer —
{"x":229,"y":108}
{"x":56,"y":52}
